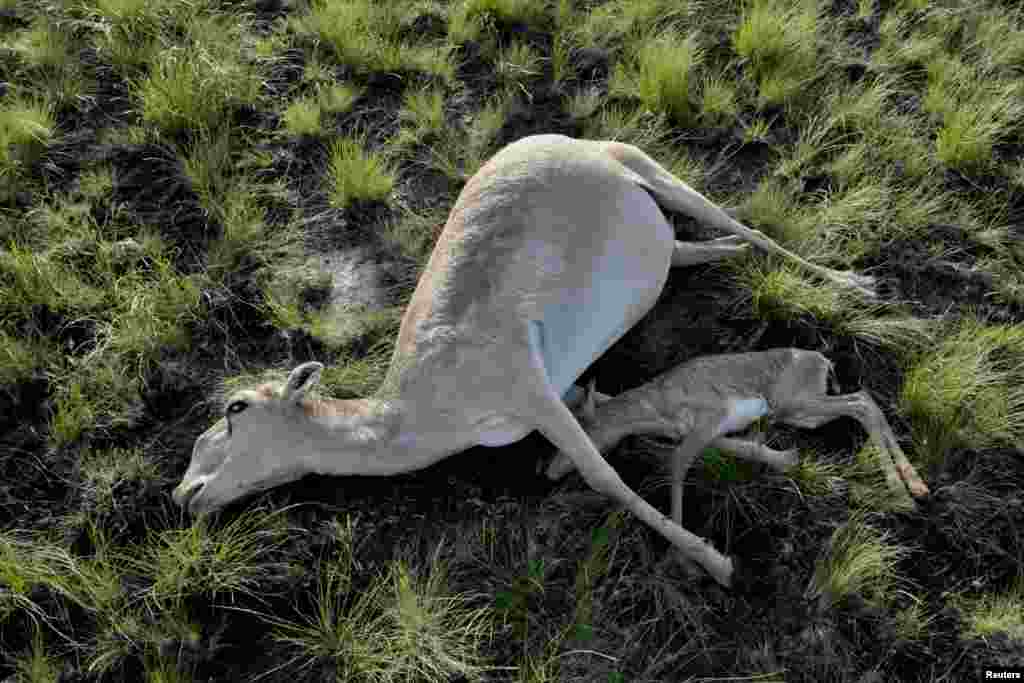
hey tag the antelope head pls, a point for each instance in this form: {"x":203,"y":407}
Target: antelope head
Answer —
{"x":273,"y":434}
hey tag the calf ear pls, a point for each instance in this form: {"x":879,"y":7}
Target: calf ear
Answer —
{"x":588,"y":401}
{"x":301,"y":380}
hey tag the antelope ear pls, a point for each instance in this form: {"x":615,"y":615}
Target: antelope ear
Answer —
{"x":301,"y":380}
{"x":588,"y":401}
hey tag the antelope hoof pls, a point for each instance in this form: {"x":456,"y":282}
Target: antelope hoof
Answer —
{"x":864,"y":284}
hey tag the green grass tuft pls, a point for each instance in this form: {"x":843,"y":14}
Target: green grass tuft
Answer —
{"x":357,"y":175}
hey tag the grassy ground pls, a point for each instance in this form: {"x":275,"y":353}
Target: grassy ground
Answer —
{"x":171,"y":168}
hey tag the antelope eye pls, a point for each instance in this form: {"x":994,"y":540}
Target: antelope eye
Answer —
{"x":236,"y":407}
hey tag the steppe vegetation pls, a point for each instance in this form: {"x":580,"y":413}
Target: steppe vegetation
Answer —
{"x":175,"y":174}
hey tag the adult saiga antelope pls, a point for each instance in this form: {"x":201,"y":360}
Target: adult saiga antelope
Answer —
{"x":554,"y":249}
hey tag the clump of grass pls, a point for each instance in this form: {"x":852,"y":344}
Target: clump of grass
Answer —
{"x":103,"y":471}
{"x":354,"y":174}
{"x":416,"y":232}
{"x":913,"y":622}
{"x":987,"y":615}
{"x":94,"y":395}
{"x":338,"y":98}
{"x":850,"y":218}
{"x":512,"y":603}
{"x":348,"y":630}
{"x":366,"y":36}
{"x":195,"y":87}
{"x":517,"y":65}
{"x":968,"y":132}
{"x":245,"y":238}
{"x":780,"y":43}
{"x":459,"y":161}
{"x":634,"y":125}
{"x":562,"y":69}
{"x":620,"y":21}
{"x":467,"y":19}
{"x":183,"y":92}
{"x":30,"y":562}
{"x":49,"y":54}
{"x":847,"y":132}
{"x":775,"y":209}
{"x":286,"y":291}
{"x":129,"y":11}
{"x":129,"y":33}
{"x":1009,"y":281}
{"x":346,"y":327}
{"x":28,"y":279}
{"x":975,"y":108}
{"x":859,"y":560}
{"x":196,"y":561}
{"x":783,"y":294}
{"x":663,"y":74}
{"x":152,"y":313}
{"x":20,"y":357}
{"x":756,"y":130}
{"x":74,"y":414}
{"x":967,"y":390}
{"x":905,"y":335}
{"x":200,"y":560}
{"x":317,"y":70}
{"x":422,"y":114}
{"x":304,"y":116}
{"x":585,"y":103}
{"x":999,"y":38}
{"x":44,"y":44}
{"x":509,"y":11}
{"x":816,"y":477}
{"x":96,"y":184}
{"x":27,"y":125}
{"x":917,"y":207}
{"x":397,"y":628}
{"x":717,"y":103}
{"x":208,"y":163}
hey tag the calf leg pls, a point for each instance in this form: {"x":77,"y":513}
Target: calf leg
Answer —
{"x":755,"y":452}
{"x":741,"y":448}
{"x":735,"y":415}
{"x":814,"y":411}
